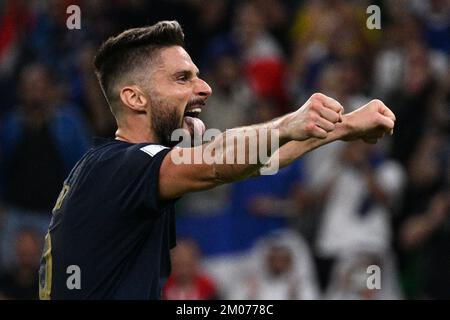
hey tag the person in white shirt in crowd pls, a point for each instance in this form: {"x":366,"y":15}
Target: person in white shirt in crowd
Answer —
{"x":280,"y":267}
{"x":356,"y":217}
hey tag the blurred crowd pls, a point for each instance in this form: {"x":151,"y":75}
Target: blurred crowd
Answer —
{"x":309,"y":232}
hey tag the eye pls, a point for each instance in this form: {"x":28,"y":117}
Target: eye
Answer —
{"x":183,"y":77}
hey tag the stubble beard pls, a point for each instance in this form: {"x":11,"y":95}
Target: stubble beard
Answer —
{"x":165,"y":119}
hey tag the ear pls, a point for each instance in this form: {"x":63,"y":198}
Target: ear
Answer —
{"x":134,"y":98}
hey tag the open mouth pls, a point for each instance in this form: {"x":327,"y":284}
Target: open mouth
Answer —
{"x":194,"y":112}
{"x":192,"y":122}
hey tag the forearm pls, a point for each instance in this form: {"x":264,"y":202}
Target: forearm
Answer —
{"x":231,"y":156}
{"x":237,"y":153}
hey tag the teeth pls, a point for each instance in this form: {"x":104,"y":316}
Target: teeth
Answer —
{"x":194,"y":111}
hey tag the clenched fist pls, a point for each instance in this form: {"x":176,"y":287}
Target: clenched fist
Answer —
{"x":315,"y":119}
{"x":369,"y":123}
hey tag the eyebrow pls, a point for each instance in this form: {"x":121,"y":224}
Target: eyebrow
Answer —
{"x":186,"y":73}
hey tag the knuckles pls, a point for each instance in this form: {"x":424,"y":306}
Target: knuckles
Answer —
{"x":314,"y":106}
{"x":309,"y":127}
{"x":377,"y":103}
{"x":335,"y":118}
{"x":317,"y":96}
{"x":312,"y":114}
{"x":313,"y":117}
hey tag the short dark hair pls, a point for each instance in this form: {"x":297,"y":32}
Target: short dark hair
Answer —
{"x":122,"y":54}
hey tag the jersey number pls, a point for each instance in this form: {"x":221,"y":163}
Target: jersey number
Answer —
{"x":61,"y":197}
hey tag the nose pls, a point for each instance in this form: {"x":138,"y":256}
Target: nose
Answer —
{"x":202,"y":88}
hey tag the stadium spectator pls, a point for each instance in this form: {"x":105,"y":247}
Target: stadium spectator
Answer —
{"x":435,"y":15}
{"x":41,"y":140}
{"x":428,"y":234}
{"x":15,"y":20}
{"x":188,"y":281}
{"x":279,"y":267}
{"x":423,"y":223}
{"x":260,"y":55}
{"x":412,"y":101}
{"x":360,"y":200}
{"x":20,"y":281}
{"x":323,"y":31}
{"x":364,"y":275}
{"x":232,"y":97}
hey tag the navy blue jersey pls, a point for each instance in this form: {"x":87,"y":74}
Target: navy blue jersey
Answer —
{"x":110,"y":235}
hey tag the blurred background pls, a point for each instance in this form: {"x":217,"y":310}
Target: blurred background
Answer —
{"x":309,"y":232}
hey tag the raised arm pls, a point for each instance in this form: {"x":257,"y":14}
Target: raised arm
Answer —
{"x":317,"y":122}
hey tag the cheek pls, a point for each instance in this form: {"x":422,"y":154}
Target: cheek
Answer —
{"x":174,"y":98}
{"x":180,"y":93}
{"x":182,"y":98}
{"x":179,"y":103}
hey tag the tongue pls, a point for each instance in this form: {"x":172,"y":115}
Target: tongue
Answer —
{"x":194,"y":125}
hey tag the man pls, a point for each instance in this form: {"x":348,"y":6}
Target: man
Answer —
{"x":113,"y":224}
{"x":188,"y":281}
{"x":19,"y":281}
{"x":43,"y":124}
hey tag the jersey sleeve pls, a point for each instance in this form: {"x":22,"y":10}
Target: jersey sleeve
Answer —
{"x":142,"y":176}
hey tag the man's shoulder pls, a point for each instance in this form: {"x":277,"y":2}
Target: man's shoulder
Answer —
{"x":115,"y":155}
{"x":118,"y":146}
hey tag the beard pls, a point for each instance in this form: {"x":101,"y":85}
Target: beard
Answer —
{"x":165,"y":119}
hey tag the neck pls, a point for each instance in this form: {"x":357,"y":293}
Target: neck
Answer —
{"x":135,"y":132}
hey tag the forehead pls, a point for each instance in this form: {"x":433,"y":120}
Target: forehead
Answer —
{"x":175,"y":59}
